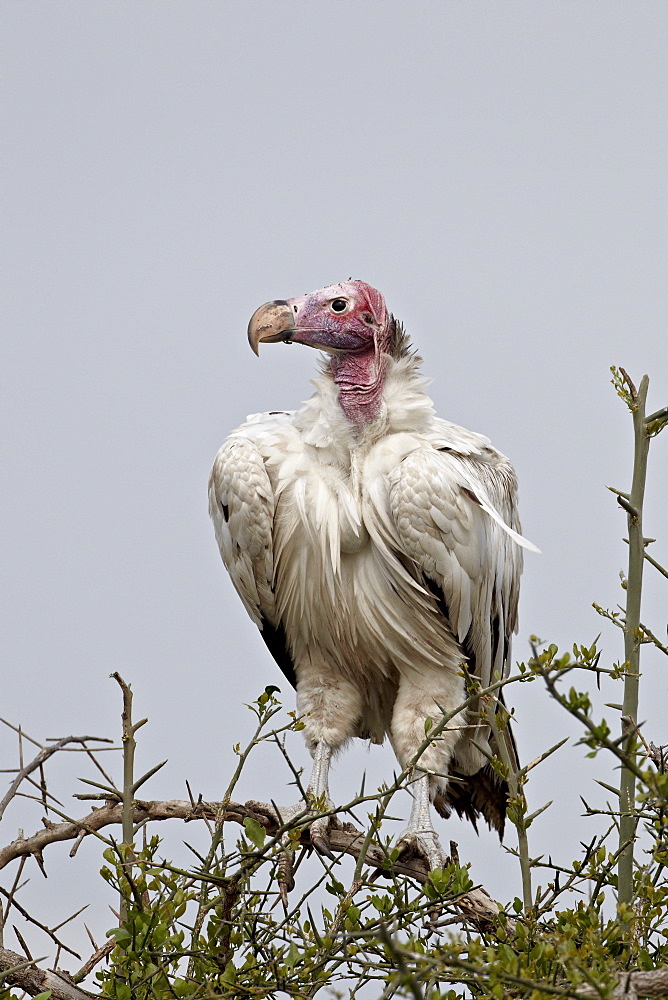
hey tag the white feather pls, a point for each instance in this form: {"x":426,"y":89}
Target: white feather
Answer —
{"x":346,"y":538}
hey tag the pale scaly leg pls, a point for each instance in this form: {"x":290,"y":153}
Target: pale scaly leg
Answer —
{"x":317,"y":794}
{"x":330,"y":707}
{"x":420,"y":834}
{"x":318,"y":791}
{"x":438,"y":690}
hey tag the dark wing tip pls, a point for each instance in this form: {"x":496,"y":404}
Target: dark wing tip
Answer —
{"x":276,"y":643}
{"x":473,"y":796}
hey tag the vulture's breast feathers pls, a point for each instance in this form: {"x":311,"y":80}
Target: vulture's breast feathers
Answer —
{"x":384,"y":548}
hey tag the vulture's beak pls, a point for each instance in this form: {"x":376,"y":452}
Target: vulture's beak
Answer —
{"x":274,"y":321}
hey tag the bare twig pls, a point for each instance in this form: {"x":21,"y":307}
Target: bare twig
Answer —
{"x":97,"y":764}
{"x":15,"y":887}
{"x":21,"y":734}
{"x":50,"y":931}
{"x":110,"y":814}
{"x":94,"y":959}
{"x":39,"y":761}
{"x":22,"y":942}
{"x":632,"y":636}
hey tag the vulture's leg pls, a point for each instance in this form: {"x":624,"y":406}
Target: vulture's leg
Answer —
{"x":331,"y":708}
{"x":319,"y":782}
{"x":318,"y":790}
{"x":420,"y":833}
{"x":426,"y":694}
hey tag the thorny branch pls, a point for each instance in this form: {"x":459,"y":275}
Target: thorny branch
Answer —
{"x":15,"y":971}
{"x":479,"y":908}
{"x":49,"y":931}
{"x":40,"y":760}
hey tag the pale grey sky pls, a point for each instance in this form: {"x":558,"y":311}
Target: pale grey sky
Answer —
{"x":497,"y":170}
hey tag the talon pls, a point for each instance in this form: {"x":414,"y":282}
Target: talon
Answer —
{"x":319,"y":831}
{"x":424,"y":842}
{"x":286,"y":880}
{"x":321,"y":844}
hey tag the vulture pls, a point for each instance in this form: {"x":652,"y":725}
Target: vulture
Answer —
{"x":377,"y":548}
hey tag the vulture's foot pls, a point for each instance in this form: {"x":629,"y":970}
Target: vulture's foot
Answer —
{"x":319,"y":827}
{"x":319,"y":831}
{"x":426,"y":844}
{"x":420,"y":837}
{"x":286,"y":875}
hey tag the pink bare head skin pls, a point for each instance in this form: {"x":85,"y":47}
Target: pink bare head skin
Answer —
{"x":350,"y":316}
{"x":351,"y":322}
{"x":348,"y":321}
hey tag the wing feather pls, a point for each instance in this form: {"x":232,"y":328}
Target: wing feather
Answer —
{"x":456,"y":516}
{"x":242,"y":507}
{"x":455,"y":511}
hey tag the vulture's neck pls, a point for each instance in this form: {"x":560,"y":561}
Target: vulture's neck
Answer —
{"x":359,"y":378}
{"x":402,"y":405}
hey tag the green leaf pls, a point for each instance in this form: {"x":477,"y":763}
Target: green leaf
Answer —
{"x":335,"y":888}
{"x":255,"y":832}
{"x":230,"y":974}
{"x":182,"y":988}
{"x":292,"y":956}
{"x":121,"y":936}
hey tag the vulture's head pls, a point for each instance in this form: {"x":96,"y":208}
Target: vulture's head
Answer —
{"x":344,"y":319}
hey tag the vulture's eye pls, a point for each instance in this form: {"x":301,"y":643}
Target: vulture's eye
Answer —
{"x":339,"y":305}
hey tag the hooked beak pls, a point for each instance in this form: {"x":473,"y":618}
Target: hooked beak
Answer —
{"x":272,"y":322}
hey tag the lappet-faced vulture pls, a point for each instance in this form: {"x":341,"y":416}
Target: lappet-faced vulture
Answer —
{"x":378,"y":549}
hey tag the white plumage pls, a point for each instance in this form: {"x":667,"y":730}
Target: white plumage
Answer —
{"x":379,"y":555}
